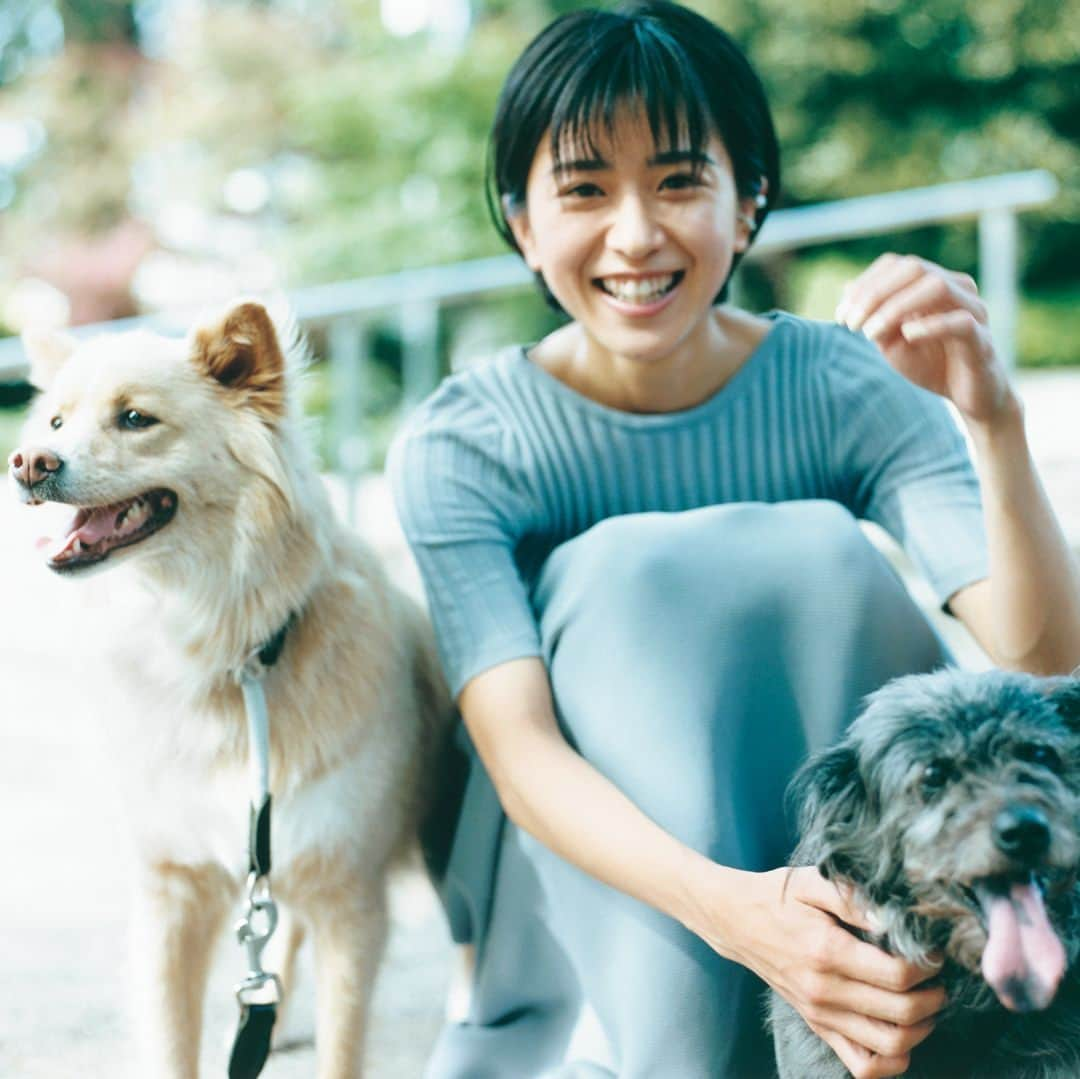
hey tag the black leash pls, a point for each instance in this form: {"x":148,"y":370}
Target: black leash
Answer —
{"x":259,"y":994}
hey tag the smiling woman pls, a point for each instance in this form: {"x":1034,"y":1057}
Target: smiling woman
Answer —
{"x":638,"y":538}
{"x":689,"y":87}
{"x":636,"y":243}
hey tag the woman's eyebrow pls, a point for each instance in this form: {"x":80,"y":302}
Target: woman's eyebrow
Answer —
{"x":678,"y":157}
{"x":584,"y":164}
{"x":665,"y":157}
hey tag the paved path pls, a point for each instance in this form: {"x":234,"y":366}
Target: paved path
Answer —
{"x":62,"y":901}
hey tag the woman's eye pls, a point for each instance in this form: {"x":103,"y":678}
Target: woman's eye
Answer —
{"x":581,"y":191}
{"x":680,"y":180}
{"x":134,"y":420}
{"x":1038,"y":754}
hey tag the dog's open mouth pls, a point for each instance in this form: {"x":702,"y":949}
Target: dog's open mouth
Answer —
{"x":97,"y":531}
{"x":1024,"y":959}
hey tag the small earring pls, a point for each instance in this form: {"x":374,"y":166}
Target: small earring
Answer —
{"x":760,"y":201}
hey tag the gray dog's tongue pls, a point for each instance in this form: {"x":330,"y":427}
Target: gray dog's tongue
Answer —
{"x":1024,"y":960}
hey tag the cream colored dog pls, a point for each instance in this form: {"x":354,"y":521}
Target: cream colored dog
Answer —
{"x":192,"y":487}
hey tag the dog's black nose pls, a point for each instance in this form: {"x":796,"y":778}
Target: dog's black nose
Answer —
{"x":1021,"y":832}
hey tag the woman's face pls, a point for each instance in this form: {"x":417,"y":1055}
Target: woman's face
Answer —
{"x":636,"y":243}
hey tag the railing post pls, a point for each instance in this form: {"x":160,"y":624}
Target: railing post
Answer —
{"x":419,"y":324}
{"x":348,"y":354}
{"x":998,"y":278}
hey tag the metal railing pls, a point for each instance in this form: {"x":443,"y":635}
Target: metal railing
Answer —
{"x":416,"y":298}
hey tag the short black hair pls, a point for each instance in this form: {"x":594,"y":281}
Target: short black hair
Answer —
{"x":692,"y":80}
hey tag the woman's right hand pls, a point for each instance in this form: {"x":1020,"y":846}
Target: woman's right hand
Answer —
{"x":789,"y":927}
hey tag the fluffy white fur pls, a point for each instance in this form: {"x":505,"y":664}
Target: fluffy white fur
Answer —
{"x":357,"y":704}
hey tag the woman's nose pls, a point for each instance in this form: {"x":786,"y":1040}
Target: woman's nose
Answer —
{"x":634,"y":231}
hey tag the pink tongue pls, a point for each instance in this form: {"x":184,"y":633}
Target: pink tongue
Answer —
{"x":1024,"y":960}
{"x":102,"y":522}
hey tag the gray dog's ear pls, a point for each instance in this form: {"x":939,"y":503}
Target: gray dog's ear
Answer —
{"x":831,"y":799}
{"x":1064,"y":694}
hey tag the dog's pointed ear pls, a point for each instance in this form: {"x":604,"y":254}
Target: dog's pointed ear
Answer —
{"x":241,"y":352}
{"x":47,"y":351}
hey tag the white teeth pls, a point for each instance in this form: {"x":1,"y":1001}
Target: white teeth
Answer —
{"x":134,"y":516}
{"x":638,"y":290}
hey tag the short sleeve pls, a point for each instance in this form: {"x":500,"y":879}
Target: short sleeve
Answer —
{"x":905,"y":465}
{"x":461,"y":500}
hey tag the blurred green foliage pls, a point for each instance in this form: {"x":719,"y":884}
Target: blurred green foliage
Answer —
{"x":372,"y":147}
{"x":876,"y":95}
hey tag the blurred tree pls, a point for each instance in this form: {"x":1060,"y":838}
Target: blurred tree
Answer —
{"x":70,"y":221}
{"x":354,"y":152}
{"x":876,"y":95}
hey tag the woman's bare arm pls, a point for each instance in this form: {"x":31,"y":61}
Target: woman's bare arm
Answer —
{"x":932,"y":327}
{"x":784,"y":925}
{"x":1026,"y":615}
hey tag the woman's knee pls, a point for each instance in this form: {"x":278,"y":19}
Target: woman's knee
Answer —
{"x":668,"y":568}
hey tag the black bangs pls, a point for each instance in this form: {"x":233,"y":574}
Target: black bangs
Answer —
{"x":654,"y":59}
{"x":641,"y":67}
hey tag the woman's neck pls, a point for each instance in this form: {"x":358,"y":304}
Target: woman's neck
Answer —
{"x":690,"y":374}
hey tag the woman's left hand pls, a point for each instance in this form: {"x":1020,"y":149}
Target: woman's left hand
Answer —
{"x":932,"y":327}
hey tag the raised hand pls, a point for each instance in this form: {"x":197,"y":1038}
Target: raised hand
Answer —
{"x":932,"y":327}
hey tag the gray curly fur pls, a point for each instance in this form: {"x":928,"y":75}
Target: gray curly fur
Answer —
{"x":863,"y":818}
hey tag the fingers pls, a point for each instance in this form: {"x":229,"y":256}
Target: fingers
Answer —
{"x":954,"y":325}
{"x":896,"y":289}
{"x":860,"y":1061}
{"x":904,"y":1009}
{"x":884,"y":276}
{"x":835,"y":951}
{"x":884,"y":1039}
{"x":834,"y":897}
{"x":863,"y":962}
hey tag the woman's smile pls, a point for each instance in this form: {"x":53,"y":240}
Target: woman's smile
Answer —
{"x":633,"y":239}
{"x":639,"y":295}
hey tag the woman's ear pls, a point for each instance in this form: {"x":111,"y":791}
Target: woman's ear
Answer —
{"x":517,"y":217}
{"x":746,"y":217}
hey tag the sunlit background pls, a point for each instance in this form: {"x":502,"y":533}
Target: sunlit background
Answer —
{"x":165,"y":153}
{"x":162,"y":155}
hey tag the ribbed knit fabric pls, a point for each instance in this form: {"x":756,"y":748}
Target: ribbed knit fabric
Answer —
{"x":504,"y":462}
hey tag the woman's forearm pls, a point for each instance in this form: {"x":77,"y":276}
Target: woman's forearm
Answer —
{"x":554,"y":794}
{"x":570,"y":807}
{"x":1033,"y":596}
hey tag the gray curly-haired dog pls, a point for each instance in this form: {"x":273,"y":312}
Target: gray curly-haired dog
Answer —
{"x":952,"y":807}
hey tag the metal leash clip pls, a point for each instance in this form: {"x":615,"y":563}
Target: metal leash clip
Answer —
{"x":253,"y":931}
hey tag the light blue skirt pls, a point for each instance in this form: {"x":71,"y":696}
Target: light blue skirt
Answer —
{"x":696,"y":659}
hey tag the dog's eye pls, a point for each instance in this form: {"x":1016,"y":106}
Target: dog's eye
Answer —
{"x":1042,"y":755}
{"x":56,"y":423}
{"x":936,"y":774}
{"x":134,"y":420}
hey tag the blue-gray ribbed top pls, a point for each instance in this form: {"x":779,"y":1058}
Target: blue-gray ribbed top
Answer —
{"x":504,"y":462}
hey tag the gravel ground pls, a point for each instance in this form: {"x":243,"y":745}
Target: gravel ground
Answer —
{"x":62,"y":906}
